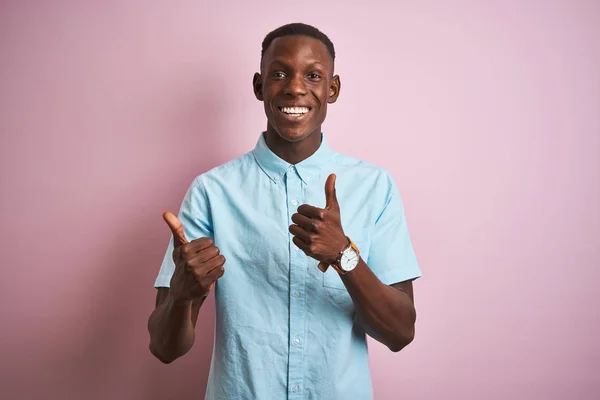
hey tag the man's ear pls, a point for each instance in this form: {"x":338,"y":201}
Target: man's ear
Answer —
{"x":257,"y":86}
{"x":334,"y":89}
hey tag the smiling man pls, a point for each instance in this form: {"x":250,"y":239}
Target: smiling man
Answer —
{"x":307,"y":250}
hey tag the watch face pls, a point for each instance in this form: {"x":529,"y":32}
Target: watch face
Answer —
{"x":349,"y":260}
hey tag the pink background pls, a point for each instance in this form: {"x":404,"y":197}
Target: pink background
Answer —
{"x":486,"y":113}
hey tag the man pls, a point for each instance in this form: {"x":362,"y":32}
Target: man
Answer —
{"x":307,"y":250}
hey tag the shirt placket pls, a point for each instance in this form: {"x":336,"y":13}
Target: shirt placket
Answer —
{"x":297,"y":293}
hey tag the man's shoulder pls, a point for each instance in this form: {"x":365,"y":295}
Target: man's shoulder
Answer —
{"x":226,"y":169}
{"x":362,"y":168}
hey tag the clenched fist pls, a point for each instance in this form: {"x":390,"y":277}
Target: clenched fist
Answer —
{"x":318,"y":231}
{"x":198,"y":263}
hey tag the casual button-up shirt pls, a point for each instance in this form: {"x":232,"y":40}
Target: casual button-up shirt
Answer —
{"x":284,"y":329}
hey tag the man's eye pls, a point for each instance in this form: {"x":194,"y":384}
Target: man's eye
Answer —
{"x":314,"y":76}
{"x":278,"y":74}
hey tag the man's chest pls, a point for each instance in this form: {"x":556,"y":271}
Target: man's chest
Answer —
{"x":264,"y":268}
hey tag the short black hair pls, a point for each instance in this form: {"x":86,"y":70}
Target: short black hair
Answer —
{"x":298,"y":29}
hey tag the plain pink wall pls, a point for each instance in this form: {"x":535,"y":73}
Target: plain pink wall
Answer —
{"x":486,"y":113}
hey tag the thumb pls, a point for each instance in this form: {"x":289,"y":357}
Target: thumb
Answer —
{"x":176,"y":227}
{"x":330,"y":196}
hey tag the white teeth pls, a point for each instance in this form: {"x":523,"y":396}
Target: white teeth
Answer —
{"x":295,"y":110}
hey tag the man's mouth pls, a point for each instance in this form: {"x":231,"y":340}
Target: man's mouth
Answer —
{"x":294,"y":112}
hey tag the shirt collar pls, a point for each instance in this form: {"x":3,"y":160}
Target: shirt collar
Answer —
{"x":308,"y":169}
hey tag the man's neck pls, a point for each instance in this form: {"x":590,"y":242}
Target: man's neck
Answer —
{"x":296,"y":152}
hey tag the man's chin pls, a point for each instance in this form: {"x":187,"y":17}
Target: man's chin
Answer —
{"x":293,"y":135}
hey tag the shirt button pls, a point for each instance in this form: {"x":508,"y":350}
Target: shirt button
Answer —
{"x":296,"y":294}
{"x":296,"y":341}
{"x":294,"y":203}
{"x":294,"y":388}
{"x":308,"y":179}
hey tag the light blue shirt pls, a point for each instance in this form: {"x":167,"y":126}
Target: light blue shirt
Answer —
{"x":284,"y":329}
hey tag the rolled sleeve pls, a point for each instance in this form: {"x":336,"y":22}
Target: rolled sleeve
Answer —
{"x":194,"y":214}
{"x":391,"y":254}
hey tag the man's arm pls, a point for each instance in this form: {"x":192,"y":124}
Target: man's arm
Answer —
{"x":386,"y":313}
{"x":171,"y":326}
{"x":198,"y":265}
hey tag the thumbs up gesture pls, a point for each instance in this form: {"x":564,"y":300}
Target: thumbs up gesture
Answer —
{"x":198,"y":263}
{"x":318,"y":232}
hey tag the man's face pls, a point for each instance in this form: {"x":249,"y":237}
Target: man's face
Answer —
{"x":295,"y":84}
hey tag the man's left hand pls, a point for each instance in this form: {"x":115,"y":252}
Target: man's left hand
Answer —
{"x":317,"y":231}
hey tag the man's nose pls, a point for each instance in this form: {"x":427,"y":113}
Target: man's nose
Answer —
{"x":296,"y":86}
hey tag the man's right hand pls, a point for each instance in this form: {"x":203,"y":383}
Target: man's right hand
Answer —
{"x":198,"y":263}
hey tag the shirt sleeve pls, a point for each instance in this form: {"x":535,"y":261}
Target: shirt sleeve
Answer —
{"x":391,"y":255}
{"x":194,"y":214}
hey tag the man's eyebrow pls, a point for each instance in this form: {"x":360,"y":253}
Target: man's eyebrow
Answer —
{"x":317,"y":63}
{"x":285,"y":64}
{"x":278,"y":61}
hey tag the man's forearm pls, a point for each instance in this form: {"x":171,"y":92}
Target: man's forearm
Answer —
{"x":385,"y":313}
{"x":171,"y":329}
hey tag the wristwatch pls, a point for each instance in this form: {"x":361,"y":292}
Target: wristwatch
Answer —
{"x":348,"y":258}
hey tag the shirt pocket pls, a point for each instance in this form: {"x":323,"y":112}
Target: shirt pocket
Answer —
{"x":332,"y":282}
